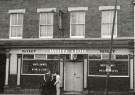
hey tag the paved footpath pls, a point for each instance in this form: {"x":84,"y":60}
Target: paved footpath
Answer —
{"x":98,"y":93}
{"x":20,"y":94}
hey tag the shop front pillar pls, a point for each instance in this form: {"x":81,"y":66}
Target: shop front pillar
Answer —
{"x":18,"y":70}
{"x":85,"y":73}
{"x":134,"y":44}
{"x":131,"y":61}
{"x":61,"y":71}
{"x":7,"y":69}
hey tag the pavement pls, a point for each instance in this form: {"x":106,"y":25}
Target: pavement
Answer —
{"x":91,"y":93}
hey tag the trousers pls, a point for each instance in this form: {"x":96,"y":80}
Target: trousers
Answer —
{"x":58,"y":89}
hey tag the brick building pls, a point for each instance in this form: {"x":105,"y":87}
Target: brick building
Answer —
{"x":68,"y":36}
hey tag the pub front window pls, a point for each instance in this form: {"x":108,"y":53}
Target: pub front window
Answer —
{"x":39,"y":64}
{"x":119,"y":66}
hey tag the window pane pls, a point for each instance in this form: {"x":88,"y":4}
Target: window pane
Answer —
{"x":16,"y":31}
{"x":43,"y":18}
{"x":107,"y":23}
{"x":16,"y":25}
{"x":73,"y":18}
{"x":49,"y":30}
{"x":49,"y":18}
{"x":17,"y":19}
{"x":46,"y":30}
{"x":77,"y":23}
{"x":46,"y":18}
{"x":77,"y":30}
{"x":20,"y":19}
{"x":14,"y":19}
{"x":107,"y":17}
{"x":78,"y":18}
{"x":106,"y":30}
{"x":43,"y":31}
{"x":46,"y":24}
{"x":39,"y":66}
{"x":81,"y":18}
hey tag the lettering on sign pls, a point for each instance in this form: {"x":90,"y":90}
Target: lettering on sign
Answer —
{"x":64,"y":51}
{"x":55,"y":51}
{"x":106,"y":51}
{"x":28,"y":51}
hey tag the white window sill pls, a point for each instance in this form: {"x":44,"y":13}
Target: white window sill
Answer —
{"x":49,"y":37}
{"x":15,"y":37}
{"x":77,"y":37}
{"x":108,"y":37}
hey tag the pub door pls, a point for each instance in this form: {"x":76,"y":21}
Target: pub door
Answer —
{"x":73,"y":76}
{"x":2,"y":71}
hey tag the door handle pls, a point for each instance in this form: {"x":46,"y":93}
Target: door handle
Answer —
{"x":74,"y":74}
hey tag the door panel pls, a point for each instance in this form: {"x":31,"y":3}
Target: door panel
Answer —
{"x":78,"y":77}
{"x":68,"y":77}
{"x":73,"y":76}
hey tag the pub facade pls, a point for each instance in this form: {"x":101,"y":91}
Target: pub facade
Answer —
{"x":70,"y":37}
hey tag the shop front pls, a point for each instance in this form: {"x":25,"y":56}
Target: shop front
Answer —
{"x":30,"y":65}
{"x":81,"y":64}
{"x":80,"y":69}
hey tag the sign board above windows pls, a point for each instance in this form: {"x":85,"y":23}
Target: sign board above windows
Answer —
{"x":68,"y":51}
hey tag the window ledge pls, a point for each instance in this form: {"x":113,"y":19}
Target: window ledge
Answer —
{"x":48,"y":37}
{"x":15,"y":38}
{"x":77,"y":37}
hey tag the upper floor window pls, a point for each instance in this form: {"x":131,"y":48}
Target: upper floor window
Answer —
{"x":16,"y":23}
{"x":46,"y":22}
{"x":107,"y":21}
{"x":77,"y":22}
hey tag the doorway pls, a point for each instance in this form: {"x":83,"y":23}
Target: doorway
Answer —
{"x":73,"y":76}
{"x":2,"y":71}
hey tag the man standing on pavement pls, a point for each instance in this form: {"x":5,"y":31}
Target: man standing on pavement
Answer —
{"x":57,"y":83}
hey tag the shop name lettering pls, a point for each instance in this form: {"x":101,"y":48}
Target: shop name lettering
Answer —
{"x":29,"y":50}
{"x":106,"y":51}
{"x":55,"y":51}
{"x":68,"y":51}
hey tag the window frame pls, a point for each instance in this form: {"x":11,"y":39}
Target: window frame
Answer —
{"x":77,"y":10}
{"x":17,"y":12}
{"x":35,"y":59}
{"x":46,"y":10}
{"x":109,"y":9}
{"x":115,"y":60}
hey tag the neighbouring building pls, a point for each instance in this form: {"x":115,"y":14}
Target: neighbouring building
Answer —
{"x":71,"y":37}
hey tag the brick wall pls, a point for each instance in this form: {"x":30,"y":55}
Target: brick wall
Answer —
{"x":93,"y":16}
